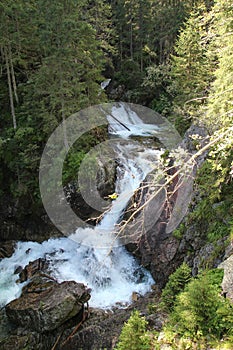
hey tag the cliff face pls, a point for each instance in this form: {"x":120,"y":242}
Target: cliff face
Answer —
{"x":50,"y":315}
{"x":160,"y":242}
{"x":154,"y":241}
{"x":21,"y":220}
{"x":55,"y":312}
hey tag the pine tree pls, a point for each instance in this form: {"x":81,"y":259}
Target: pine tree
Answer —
{"x":191,"y":65}
{"x":220,"y":106}
{"x":99,"y":15}
{"x":132,"y":20}
{"x":19,"y":51}
{"x":9,"y":28}
{"x":132,"y":336}
{"x":168,"y":17}
{"x":57,"y":64}
{"x":201,"y":310}
{"x":69,"y":76}
{"x":176,"y":284}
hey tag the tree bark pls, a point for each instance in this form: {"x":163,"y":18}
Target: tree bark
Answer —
{"x":9,"y":80}
{"x":131,"y":32}
{"x":13,"y":76}
{"x":63,"y":111}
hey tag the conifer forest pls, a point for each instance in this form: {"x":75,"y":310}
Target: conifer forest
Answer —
{"x":175,"y":57}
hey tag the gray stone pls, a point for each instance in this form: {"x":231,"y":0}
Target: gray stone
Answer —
{"x":195,"y":137}
{"x":45,"y":304}
{"x":152,"y":230}
{"x":7,"y":249}
{"x":227,"y":283}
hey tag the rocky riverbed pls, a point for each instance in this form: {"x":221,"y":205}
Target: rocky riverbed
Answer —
{"x":53,"y":315}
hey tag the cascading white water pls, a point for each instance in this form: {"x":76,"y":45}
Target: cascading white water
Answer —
{"x":112,"y":274}
{"x":124,"y":122}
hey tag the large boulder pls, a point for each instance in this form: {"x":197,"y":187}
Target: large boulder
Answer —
{"x":102,"y":329}
{"x":91,"y":329}
{"x":227,"y":283}
{"x":151,"y":230}
{"x":106,"y":175}
{"x":46,"y":304}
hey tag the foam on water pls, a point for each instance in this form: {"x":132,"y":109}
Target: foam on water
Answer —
{"x":93,"y":256}
{"x":112,"y":278}
{"x":124,"y":122}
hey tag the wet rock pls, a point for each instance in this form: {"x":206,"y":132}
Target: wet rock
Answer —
{"x":84,"y":210}
{"x":7,"y":249}
{"x":20,"y":222}
{"x":102,"y":328}
{"x":45,"y":304}
{"x":31,"y":269}
{"x":18,"y":270}
{"x":90,"y":329}
{"x":28,"y":228}
{"x":106,"y":177}
{"x":150,"y":242}
{"x":89,"y":197}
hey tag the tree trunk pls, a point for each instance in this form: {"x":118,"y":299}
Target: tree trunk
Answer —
{"x":141,"y":31}
{"x":9,"y":80}
{"x":13,"y":76}
{"x":131,"y":32}
{"x":63,"y":112}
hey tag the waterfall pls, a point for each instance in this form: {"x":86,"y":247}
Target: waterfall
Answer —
{"x":125,"y":122}
{"x":112,"y":274}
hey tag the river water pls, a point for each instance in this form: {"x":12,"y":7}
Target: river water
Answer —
{"x":94,"y":256}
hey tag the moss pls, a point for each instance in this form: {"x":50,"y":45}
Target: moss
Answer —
{"x":179,"y":232}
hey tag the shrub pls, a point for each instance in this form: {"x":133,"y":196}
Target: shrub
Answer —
{"x":133,"y":335}
{"x":201,"y":310}
{"x":175,"y":285}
